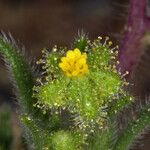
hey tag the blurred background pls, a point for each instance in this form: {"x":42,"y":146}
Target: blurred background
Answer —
{"x":43,"y":23}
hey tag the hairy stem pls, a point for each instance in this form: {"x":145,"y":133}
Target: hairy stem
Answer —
{"x":20,"y":71}
{"x":138,"y":23}
{"x":134,"y":130}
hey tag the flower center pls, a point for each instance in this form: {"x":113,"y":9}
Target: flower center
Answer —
{"x":74,"y":64}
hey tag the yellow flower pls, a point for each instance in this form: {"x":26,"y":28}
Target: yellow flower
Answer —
{"x":74,"y":64}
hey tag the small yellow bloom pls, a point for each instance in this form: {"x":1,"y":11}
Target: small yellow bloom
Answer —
{"x":74,"y":64}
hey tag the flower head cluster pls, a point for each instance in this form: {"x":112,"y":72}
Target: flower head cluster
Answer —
{"x":74,"y":64}
{"x":88,"y":102}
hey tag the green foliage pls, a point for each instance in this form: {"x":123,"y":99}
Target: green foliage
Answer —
{"x":6,"y":134}
{"x":79,"y":112}
{"x":134,"y":129}
{"x":101,"y":55}
{"x":37,"y":138}
{"x":51,"y":61}
{"x":20,"y":71}
{"x":65,"y":140}
{"x":89,"y":100}
{"x":81,"y":42}
{"x":101,"y":140}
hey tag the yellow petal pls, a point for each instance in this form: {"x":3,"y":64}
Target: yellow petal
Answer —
{"x":82,"y":61}
{"x":70,"y":54}
{"x":77,"y":53}
{"x":74,"y":64}
{"x":64,"y":59}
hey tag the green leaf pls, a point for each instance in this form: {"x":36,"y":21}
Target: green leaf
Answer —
{"x":20,"y":72}
{"x":81,"y":42}
{"x":134,"y":129}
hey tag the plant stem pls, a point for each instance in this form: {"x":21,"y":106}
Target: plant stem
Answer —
{"x":20,"y":72}
{"x":138,"y":23}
